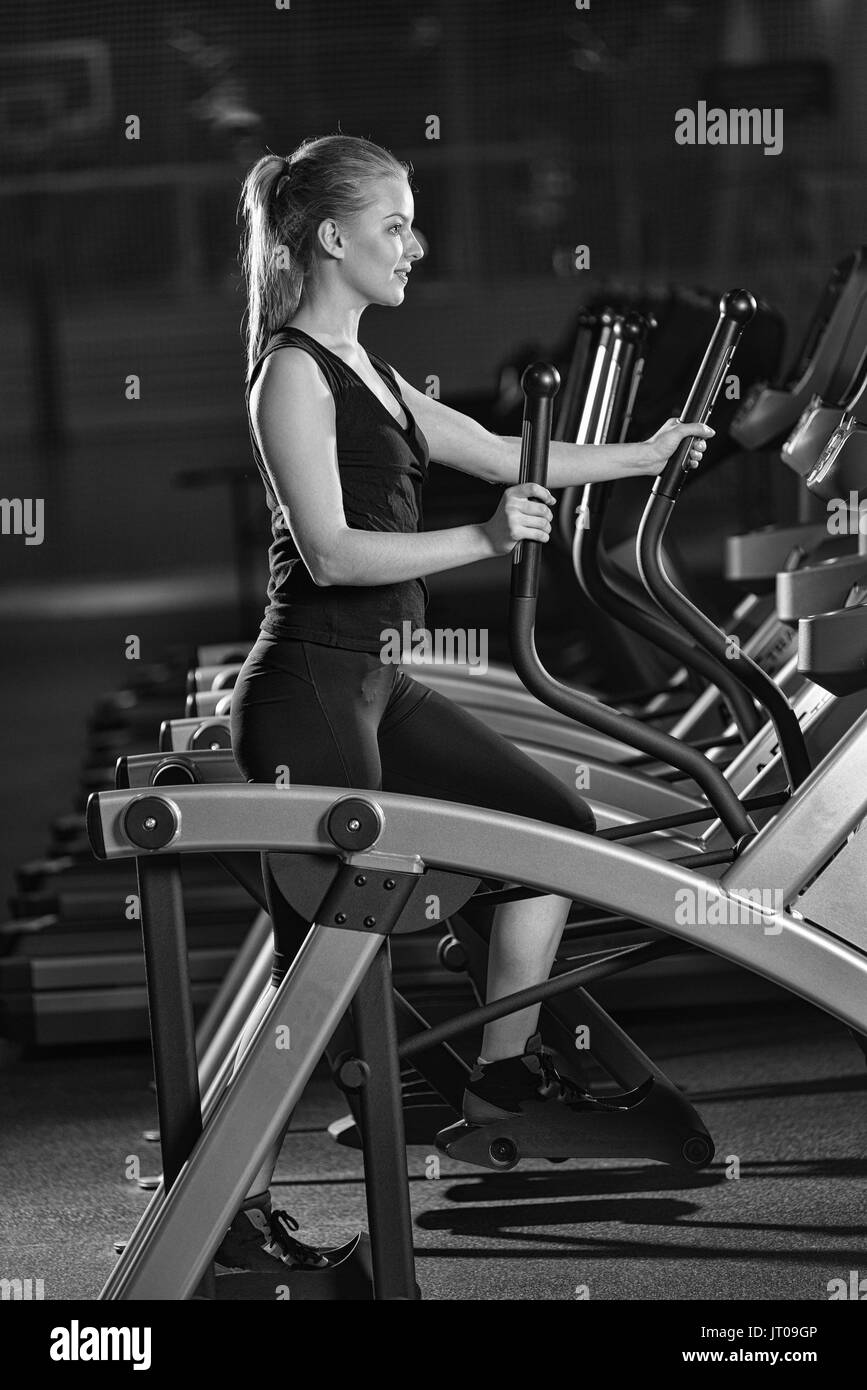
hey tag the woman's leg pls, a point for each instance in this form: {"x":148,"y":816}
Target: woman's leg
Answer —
{"x":315,"y":711}
{"x":430,"y":746}
{"x":524,"y":940}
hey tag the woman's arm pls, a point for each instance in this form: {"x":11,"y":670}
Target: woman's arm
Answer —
{"x":293,"y":415}
{"x":460,"y":442}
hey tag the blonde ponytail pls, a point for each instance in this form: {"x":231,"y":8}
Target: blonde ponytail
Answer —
{"x":273,"y":277}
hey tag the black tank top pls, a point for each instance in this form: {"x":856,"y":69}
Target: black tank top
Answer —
{"x":382,"y":469}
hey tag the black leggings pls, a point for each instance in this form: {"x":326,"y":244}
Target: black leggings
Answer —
{"x":341,"y":718}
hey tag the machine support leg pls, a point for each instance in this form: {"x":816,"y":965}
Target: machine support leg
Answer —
{"x":383,"y":1136}
{"x":171,"y":1010}
{"x":164,"y":936}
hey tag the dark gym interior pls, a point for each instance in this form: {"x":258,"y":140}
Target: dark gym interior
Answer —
{"x":548,"y":184}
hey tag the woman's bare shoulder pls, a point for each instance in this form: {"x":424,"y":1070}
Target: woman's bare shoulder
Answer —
{"x":290,"y":374}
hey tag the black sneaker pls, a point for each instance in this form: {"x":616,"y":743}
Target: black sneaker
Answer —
{"x":260,"y":1239}
{"x":498,"y":1090}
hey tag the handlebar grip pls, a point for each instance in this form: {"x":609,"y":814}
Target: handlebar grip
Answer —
{"x":540,"y":384}
{"x":736,"y":309}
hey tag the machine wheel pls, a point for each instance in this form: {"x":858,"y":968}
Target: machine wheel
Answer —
{"x":697,"y":1150}
{"x":503,"y":1153}
{"x":451,"y":954}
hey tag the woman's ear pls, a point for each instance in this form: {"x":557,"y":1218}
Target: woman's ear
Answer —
{"x":329,"y":237}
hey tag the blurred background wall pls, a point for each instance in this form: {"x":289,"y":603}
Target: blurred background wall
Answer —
{"x":556,"y":127}
{"x":118,"y":256}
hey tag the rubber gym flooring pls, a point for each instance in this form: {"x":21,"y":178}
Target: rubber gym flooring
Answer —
{"x":783,"y":1090}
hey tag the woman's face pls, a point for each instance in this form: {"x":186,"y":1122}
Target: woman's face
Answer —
{"x":379,"y":244}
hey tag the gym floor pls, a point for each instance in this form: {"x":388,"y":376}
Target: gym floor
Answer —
{"x":778,"y":1215}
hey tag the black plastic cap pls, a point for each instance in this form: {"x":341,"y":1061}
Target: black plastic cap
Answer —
{"x":540,"y":380}
{"x":150,"y":823}
{"x":353,"y":823}
{"x":739,"y":306}
{"x":175,"y":772}
{"x":93,"y":823}
{"x":634,"y":327}
{"x":211,"y":736}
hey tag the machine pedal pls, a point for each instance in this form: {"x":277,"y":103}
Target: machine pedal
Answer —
{"x":422,"y":1121}
{"x":349,"y":1275}
{"x":653,"y":1121}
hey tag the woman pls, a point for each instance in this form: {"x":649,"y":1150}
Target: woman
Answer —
{"x":343,"y":443}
